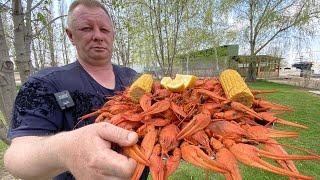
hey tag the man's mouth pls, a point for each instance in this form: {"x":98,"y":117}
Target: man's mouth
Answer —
{"x":99,"y":47}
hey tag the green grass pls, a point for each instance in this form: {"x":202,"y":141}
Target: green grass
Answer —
{"x":3,"y":147}
{"x":307,"y":112}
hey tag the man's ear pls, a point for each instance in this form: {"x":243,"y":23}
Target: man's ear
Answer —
{"x":69,"y":33}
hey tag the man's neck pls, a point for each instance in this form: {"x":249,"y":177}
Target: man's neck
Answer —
{"x":103,"y":74}
{"x":99,"y":67}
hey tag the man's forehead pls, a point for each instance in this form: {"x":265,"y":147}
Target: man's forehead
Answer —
{"x":82,"y":12}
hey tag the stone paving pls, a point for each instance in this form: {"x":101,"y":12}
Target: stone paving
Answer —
{"x":309,"y":83}
{"x":315,"y":92}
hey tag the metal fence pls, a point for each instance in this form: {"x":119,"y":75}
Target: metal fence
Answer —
{"x":212,"y":67}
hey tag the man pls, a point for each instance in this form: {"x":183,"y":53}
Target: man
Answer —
{"x":49,"y":104}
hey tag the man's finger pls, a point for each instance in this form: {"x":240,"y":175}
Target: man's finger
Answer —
{"x":117,"y":135}
{"x":114,"y":164}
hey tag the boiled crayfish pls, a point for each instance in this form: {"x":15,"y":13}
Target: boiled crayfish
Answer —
{"x":201,"y":126}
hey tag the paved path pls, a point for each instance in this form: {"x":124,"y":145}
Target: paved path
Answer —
{"x":309,"y":83}
{"x":315,"y":92}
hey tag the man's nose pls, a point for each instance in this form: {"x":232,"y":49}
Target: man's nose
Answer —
{"x":97,"y":35}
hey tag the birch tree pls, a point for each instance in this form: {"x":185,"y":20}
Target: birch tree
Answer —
{"x":123,"y":37}
{"x":22,"y":62}
{"x":163,"y":26}
{"x":7,"y":82}
{"x":65,"y":46}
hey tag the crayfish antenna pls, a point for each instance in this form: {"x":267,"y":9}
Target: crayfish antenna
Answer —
{"x":135,"y":153}
{"x":177,"y":109}
{"x":286,"y":157}
{"x":157,"y":107}
{"x":270,"y":118}
{"x":277,"y":133}
{"x":157,"y":167}
{"x":256,"y":92}
{"x":211,"y":94}
{"x":138,"y":171}
{"x":199,"y":122}
{"x":249,"y":155}
{"x":268,"y":167}
{"x":147,"y":145}
{"x":196,"y":156}
{"x":273,"y":106}
{"x":240,"y":107}
{"x":274,"y":147}
{"x":173,"y":163}
{"x":227,"y":159}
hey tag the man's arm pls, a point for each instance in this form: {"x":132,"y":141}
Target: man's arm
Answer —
{"x":85,"y":152}
{"x":33,"y":157}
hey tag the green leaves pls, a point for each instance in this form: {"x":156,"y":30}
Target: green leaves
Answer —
{"x":42,"y":18}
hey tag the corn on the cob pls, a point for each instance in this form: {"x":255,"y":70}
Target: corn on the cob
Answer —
{"x":235,"y":88}
{"x":140,"y":86}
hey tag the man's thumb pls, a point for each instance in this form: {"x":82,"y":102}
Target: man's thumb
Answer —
{"x":117,"y":135}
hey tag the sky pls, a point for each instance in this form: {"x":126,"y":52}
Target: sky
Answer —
{"x":310,"y":52}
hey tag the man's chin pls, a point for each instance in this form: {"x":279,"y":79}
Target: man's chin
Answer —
{"x":98,"y":56}
{"x":100,"y":59}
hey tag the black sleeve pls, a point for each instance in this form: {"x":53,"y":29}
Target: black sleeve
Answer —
{"x":35,"y":112}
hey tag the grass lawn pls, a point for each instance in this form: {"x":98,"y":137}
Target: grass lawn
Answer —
{"x":3,"y":147}
{"x":307,"y":112}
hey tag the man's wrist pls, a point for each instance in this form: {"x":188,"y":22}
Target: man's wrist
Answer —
{"x":60,"y":150}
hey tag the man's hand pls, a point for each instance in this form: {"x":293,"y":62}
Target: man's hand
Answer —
{"x":89,"y":154}
{"x":86,"y":152}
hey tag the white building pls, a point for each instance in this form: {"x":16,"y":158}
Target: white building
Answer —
{"x":316,"y":68}
{"x":289,"y":71}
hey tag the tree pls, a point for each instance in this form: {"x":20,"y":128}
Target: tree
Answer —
{"x":165,"y":22}
{"x":50,"y":37}
{"x":120,"y":13}
{"x":22,"y":41}
{"x":266,"y":20}
{"x":22,"y":62}
{"x":65,"y":46}
{"x":7,"y":83}
{"x":161,"y":22}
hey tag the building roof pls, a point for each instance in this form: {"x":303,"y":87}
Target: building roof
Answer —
{"x":260,"y":58}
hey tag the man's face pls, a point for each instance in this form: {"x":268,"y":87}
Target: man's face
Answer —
{"x":92,"y":34}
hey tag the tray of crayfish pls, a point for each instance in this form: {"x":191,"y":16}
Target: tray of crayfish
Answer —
{"x":201,"y":125}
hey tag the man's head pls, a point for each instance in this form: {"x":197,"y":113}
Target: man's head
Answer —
{"x":90,"y":31}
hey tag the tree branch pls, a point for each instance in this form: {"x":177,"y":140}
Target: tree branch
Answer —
{"x":3,"y":6}
{"x":35,"y":6}
{"x":295,"y":21}
{"x":45,"y":26}
{"x":274,"y":36}
{"x":263,"y":14}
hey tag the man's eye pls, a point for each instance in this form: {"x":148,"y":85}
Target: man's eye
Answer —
{"x":86,"y":29}
{"x":104,"y":30}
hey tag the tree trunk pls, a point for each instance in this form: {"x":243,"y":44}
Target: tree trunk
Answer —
{"x":64,"y":37}
{"x":35,"y":56}
{"x":28,"y":34}
{"x":7,"y":85}
{"x":251,"y":74}
{"x":251,"y":77}
{"x":22,"y":62}
{"x":42,"y":55}
{"x":53,"y":62}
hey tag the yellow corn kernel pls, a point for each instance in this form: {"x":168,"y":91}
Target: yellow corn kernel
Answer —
{"x":141,"y":86}
{"x":235,"y":88}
